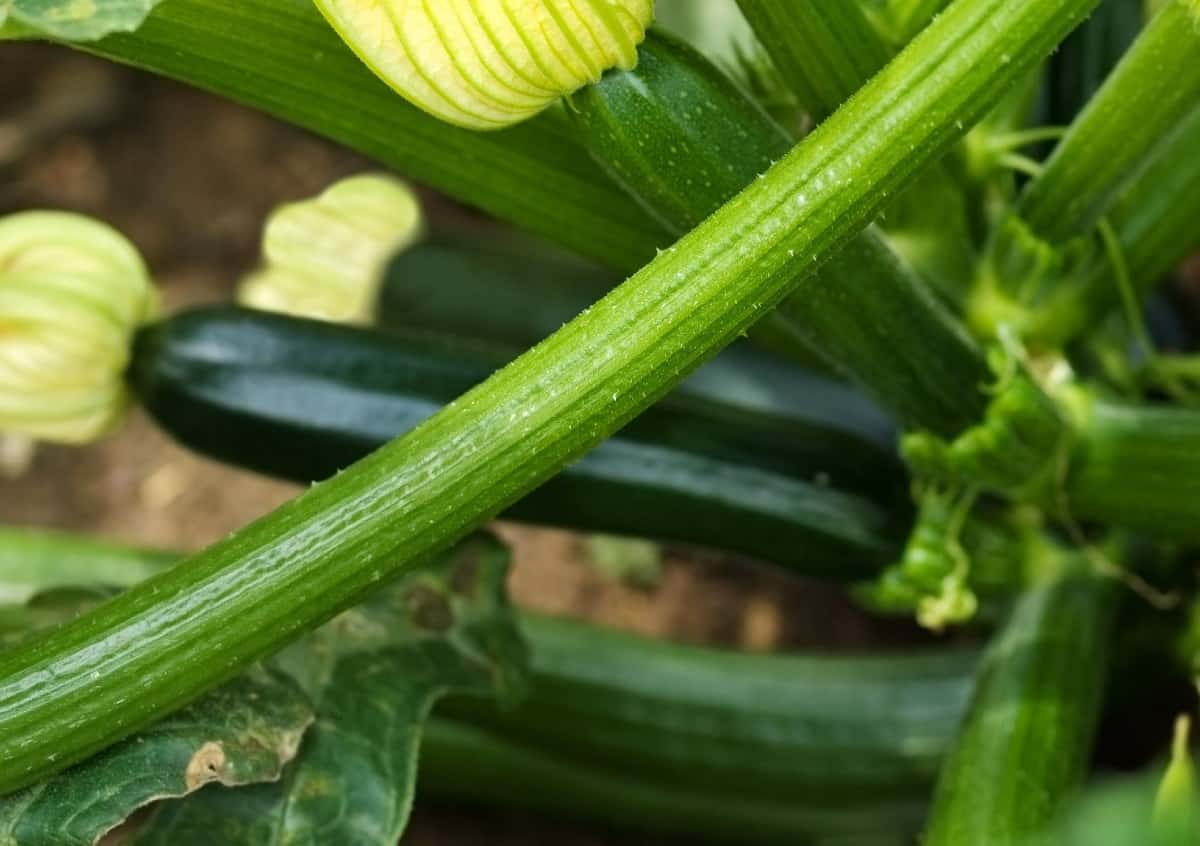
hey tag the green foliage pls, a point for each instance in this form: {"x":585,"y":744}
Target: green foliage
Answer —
{"x":373,"y":675}
{"x":242,"y":733}
{"x":72,"y":20}
{"x":327,"y":732}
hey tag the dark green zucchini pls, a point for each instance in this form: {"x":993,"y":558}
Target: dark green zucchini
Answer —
{"x":301,"y":400}
{"x":465,"y":763}
{"x":1027,"y":737}
{"x":509,"y":290}
{"x":683,"y":140}
{"x":514,"y":294}
{"x":808,"y":728}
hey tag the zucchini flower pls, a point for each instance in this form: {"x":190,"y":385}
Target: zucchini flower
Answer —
{"x":487,"y":64}
{"x":325,"y":258}
{"x":72,"y":293}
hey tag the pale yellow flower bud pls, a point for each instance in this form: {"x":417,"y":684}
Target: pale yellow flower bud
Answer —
{"x":325,"y":258}
{"x":487,"y":64}
{"x":72,"y":293}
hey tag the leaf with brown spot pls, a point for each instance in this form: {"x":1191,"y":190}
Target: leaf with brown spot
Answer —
{"x":375,"y":673}
{"x":242,"y":733}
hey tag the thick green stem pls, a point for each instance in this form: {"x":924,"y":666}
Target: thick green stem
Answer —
{"x":1116,"y":136}
{"x":825,"y":49}
{"x":1157,"y":225}
{"x":1027,"y":737}
{"x":280,"y":56}
{"x":166,"y":641}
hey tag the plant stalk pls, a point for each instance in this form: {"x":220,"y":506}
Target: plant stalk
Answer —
{"x":825,"y":49}
{"x":163,"y":643}
{"x":1116,"y":136}
{"x":1157,"y":225}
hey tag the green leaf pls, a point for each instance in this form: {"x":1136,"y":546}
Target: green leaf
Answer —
{"x":72,"y":20}
{"x":374,"y":672}
{"x":32,"y":562}
{"x":241,"y":733}
{"x":54,"y":606}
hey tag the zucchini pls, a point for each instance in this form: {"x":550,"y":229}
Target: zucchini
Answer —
{"x":301,"y":399}
{"x":1026,"y":741}
{"x":1132,"y":467}
{"x":813,"y":729}
{"x":683,"y":140}
{"x":511,"y":291}
{"x":514,"y":294}
{"x":464,"y":763}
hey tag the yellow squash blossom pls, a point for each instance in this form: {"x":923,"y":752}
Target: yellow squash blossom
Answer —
{"x":487,"y":64}
{"x":325,"y":258}
{"x":72,"y":293}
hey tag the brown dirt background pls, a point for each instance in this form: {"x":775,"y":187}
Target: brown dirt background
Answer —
{"x":190,"y":179}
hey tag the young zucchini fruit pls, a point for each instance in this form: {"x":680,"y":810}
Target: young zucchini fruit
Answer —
{"x":683,"y":140}
{"x":1026,"y":740}
{"x":643,"y":734}
{"x":516,"y":293}
{"x":815,"y":729}
{"x":302,"y":399}
{"x":461,"y":762}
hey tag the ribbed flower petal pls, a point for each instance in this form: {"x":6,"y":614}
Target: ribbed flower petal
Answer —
{"x":324,"y":258}
{"x":72,"y":293}
{"x":487,"y":64}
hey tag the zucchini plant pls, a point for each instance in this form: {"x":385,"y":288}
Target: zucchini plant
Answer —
{"x":881,"y":323}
